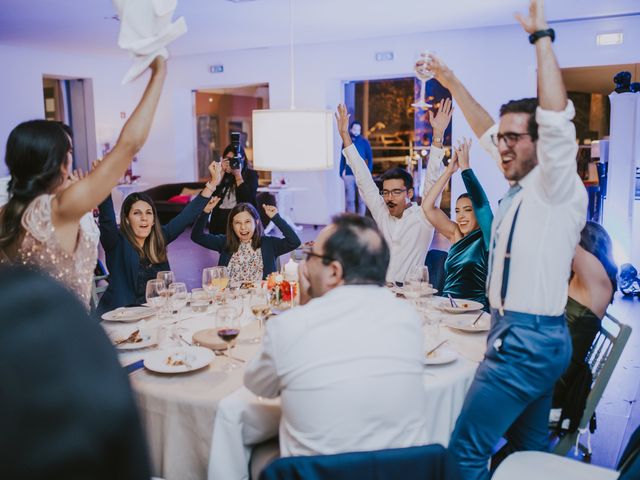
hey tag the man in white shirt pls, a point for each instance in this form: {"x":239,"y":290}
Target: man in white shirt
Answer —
{"x":535,"y":233}
{"x":403,"y":224}
{"x":347,"y":365}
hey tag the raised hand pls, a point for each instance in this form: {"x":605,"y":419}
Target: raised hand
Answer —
{"x":462,"y":153}
{"x":342,"y":120}
{"x":441,"y":120}
{"x":535,"y":21}
{"x":270,"y":210}
{"x":211,"y":204}
{"x":441,"y":72}
{"x":215,"y":170}
{"x":452,"y":166}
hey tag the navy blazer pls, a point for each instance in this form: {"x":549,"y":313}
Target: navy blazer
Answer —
{"x":270,"y":247}
{"x":123,"y":260}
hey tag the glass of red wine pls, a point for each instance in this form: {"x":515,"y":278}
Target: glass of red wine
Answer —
{"x":228,"y":329}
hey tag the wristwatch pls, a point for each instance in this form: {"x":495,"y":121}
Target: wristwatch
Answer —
{"x":535,"y":36}
{"x":436,"y":140}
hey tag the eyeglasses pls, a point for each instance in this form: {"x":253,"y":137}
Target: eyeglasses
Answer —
{"x":306,"y":253}
{"x":396,"y":192}
{"x":510,"y":138}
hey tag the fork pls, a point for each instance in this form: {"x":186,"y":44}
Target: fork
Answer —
{"x":452,"y":301}
{"x":475,"y":322}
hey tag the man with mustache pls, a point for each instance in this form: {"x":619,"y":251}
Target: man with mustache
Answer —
{"x":402,"y":223}
{"x":534,"y":236}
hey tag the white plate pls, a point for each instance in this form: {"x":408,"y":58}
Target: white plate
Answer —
{"x":464,"y":306}
{"x":465,"y":323}
{"x":149,"y":338}
{"x":128,"y":314}
{"x":425,"y":292}
{"x":196,"y":358}
{"x":441,"y":356}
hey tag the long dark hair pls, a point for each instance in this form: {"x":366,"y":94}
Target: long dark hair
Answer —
{"x":233,"y":242}
{"x":155,"y":245}
{"x":35,"y":152}
{"x":595,"y":240}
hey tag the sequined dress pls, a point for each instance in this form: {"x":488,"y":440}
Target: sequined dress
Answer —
{"x":40,"y":248}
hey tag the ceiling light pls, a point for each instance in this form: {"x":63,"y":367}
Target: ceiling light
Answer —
{"x":614,"y":38}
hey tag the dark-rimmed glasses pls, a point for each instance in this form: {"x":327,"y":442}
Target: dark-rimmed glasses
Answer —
{"x":510,"y":138}
{"x":307,"y":252}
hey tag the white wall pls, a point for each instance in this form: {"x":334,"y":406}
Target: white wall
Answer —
{"x":497,"y":64}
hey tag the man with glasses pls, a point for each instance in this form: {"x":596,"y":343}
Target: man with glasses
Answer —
{"x":403,"y":224}
{"x":534,"y":236}
{"x":348,"y":364}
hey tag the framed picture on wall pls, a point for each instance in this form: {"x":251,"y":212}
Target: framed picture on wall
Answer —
{"x":208,"y":143}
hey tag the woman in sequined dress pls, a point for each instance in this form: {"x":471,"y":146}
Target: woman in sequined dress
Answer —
{"x":47,"y":222}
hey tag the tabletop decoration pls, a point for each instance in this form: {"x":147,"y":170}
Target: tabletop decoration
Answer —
{"x":283,"y":292}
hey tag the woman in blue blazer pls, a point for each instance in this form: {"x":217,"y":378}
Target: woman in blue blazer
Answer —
{"x":245,"y":250}
{"x":137,"y":251}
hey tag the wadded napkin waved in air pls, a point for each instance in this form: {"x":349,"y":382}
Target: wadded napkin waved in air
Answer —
{"x":146,"y":28}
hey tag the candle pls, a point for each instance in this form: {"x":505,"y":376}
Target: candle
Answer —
{"x":291,"y":271}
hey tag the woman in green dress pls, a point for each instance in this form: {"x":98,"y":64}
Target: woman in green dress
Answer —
{"x":467,"y":263}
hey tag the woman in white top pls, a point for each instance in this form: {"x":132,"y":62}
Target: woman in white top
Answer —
{"x":47,"y":222}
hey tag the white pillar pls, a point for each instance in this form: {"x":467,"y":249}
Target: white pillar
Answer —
{"x":624,"y":156}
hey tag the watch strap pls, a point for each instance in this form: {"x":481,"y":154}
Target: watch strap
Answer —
{"x":535,"y":36}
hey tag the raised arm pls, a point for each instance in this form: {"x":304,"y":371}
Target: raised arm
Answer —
{"x":439,"y":124}
{"x":366,"y":186}
{"x":477,"y":117}
{"x":291,"y":241}
{"x":557,"y":148}
{"x":107,"y":224}
{"x":437,"y":217}
{"x":207,"y":240}
{"x":82,"y":196}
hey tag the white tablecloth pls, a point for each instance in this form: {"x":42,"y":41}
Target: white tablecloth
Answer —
{"x":206,"y":421}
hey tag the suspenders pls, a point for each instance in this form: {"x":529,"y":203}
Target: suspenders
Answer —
{"x":507,"y":262}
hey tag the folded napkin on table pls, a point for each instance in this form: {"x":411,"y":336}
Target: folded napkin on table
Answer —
{"x":146,"y":28}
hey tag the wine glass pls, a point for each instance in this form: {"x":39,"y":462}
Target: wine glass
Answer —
{"x":430,"y":320}
{"x":155,"y":294}
{"x":215,"y":279}
{"x":416,"y":282}
{"x":423,"y":74}
{"x":228,"y":329}
{"x":260,"y":308}
{"x":177,"y":296}
{"x":167,"y":278}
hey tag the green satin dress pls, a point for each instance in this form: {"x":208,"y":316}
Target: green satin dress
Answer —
{"x":467,"y":263}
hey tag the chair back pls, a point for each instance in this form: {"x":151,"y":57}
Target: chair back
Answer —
{"x":98,"y":287}
{"x":413,"y":463}
{"x":435,"y":263}
{"x":602,"y":358}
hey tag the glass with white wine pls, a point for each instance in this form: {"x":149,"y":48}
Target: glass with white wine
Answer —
{"x":261,"y":308}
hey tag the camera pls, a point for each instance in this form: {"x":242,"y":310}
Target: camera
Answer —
{"x":236,"y":161}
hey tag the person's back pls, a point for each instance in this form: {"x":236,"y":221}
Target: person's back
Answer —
{"x":351,"y":370}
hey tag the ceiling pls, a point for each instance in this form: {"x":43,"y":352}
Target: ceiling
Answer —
{"x":215,"y":25}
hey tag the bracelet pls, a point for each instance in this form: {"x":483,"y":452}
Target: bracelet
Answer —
{"x":535,"y":36}
{"x":210,"y":186}
{"x":436,"y":140}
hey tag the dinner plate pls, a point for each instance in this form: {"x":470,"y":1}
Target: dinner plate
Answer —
{"x":465,"y":323}
{"x":463,"y":306}
{"x":128,"y":314}
{"x":147,"y":339}
{"x":441,"y":356}
{"x":187,"y":359}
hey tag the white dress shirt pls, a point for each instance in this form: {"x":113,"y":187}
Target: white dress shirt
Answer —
{"x":408,"y":237}
{"x":552,"y":215}
{"x":348,"y":367}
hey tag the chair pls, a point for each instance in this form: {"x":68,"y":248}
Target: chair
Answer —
{"x":98,"y":287}
{"x":429,"y":462}
{"x":536,"y":465}
{"x":602,"y":358}
{"x":435,"y":263}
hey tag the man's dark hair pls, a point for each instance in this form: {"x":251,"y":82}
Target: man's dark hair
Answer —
{"x":524,"y":105}
{"x":400,"y":174}
{"x":360,"y":248}
{"x":355,"y":122}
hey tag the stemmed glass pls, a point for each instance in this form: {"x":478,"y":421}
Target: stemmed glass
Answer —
{"x":167,"y":277}
{"x":177,"y":296}
{"x":228,"y":329}
{"x":155,"y":294}
{"x":215,"y":279}
{"x":416,"y":282}
{"x":423,"y":74}
{"x":260,"y":308}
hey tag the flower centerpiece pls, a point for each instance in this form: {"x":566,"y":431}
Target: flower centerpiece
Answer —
{"x":283,"y":292}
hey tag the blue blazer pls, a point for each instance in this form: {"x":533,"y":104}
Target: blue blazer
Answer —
{"x":122,"y":258}
{"x":270,"y":247}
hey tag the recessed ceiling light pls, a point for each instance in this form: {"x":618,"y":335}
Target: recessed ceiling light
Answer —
{"x":614,"y":38}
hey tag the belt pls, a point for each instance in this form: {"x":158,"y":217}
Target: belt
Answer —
{"x":526,"y":319}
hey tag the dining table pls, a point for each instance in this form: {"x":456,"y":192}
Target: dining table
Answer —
{"x":203,"y":424}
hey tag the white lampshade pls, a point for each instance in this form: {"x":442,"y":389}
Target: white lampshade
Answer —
{"x":292,"y":140}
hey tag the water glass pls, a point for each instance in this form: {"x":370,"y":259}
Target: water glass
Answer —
{"x":155,"y":293}
{"x":177,"y":296}
{"x":200,"y":300}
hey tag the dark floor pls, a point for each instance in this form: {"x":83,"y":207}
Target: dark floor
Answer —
{"x":618,"y":413}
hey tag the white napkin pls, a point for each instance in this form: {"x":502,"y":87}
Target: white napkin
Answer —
{"x":146,"y":28}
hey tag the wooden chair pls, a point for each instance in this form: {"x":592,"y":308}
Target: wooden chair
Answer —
{"x":602,"y":359}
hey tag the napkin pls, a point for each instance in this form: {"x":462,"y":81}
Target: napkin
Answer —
{"x":146,"y":28}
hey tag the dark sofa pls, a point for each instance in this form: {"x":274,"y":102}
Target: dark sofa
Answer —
{"x":161,"y":195}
